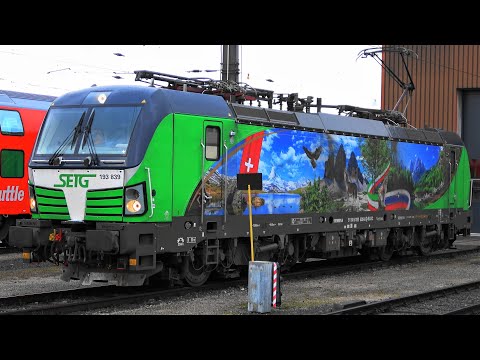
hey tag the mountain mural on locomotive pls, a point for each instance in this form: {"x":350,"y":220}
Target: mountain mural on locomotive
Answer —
{"x":306,"y":171}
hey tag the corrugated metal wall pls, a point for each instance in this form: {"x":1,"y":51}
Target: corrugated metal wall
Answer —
{"x":437,"y":73}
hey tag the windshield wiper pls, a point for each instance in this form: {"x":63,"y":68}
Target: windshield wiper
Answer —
{"x":77,"y":130}
{"x":88,"y":139}
{"x":55,"y":159}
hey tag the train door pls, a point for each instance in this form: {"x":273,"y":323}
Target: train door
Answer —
{"x":475,"y":194}
{"x":453,"y":166}
{"x":470,"y":128}
{"x":13,"y":170}
{"x":212,"y":184}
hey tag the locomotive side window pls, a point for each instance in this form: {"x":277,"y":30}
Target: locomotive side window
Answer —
{"x":212,"y":143}
{"x":10,"y":123}
{"x":11,"y":163}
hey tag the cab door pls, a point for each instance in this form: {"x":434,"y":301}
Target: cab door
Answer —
{"x":213,"y":169}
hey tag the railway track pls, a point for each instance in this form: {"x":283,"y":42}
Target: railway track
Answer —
{"x":91,"y":298}
{"x":100,"y":297}
{"x":436,"y":302}
{"x":8,"y":250}
{"x":467,"y":310}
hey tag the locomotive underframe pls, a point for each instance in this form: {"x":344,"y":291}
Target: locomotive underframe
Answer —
{"x":186,"y":250}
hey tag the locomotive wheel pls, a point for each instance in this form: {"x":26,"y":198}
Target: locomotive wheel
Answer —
{"x":369,"y":254}
{"x":425,"y":247}
{"x":385,"y":253}
{"x":194,"y":271}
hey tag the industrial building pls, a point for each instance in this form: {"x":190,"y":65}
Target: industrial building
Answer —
{"x":438,"y":86}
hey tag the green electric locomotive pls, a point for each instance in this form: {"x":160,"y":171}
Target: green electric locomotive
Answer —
{"x":130,"y":182}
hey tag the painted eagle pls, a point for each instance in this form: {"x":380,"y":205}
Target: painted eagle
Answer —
{"x":313,"y":156}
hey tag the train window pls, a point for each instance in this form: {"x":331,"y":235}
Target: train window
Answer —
{"x":212,"y":140}
{"x":116,"y":124}
{"x":57,"y":127}
{"x":11,"y":163}
{"x":10,"y":123}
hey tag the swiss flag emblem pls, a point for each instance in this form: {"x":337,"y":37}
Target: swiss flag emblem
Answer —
{"x":251,"y":154}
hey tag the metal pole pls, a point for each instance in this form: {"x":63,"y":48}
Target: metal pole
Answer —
{"x":250,"y":217}
{"x":202,"y":196}
{"x":230,"y":63}
{"x":225,"y":183}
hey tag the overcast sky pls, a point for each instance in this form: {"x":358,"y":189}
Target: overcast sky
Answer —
{"x":331,"y":72}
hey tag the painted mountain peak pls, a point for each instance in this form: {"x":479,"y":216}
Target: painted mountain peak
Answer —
{"x":417,"y":169}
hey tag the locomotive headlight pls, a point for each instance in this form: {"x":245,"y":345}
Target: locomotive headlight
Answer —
{"x":102,"y":98}
{"x":134,"y":206}
{"x":132,"y":193}
{"x":135,"y":200}
{"x":33,"y":204}
{"x":32,"y":201}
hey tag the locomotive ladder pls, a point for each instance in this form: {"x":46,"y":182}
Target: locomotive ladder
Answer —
{"x":211,"y":251}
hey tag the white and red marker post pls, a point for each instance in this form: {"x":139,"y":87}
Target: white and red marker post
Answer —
{"x":276,"y":295}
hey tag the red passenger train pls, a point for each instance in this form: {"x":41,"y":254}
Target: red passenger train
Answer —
{"x":21,"y":115}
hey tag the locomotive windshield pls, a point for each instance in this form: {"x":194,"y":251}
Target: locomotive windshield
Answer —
{"x":68,"y":128}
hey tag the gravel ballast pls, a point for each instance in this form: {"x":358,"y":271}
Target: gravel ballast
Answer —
{"x":299,"y":296}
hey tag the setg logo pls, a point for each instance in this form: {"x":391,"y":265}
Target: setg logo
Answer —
{"x":74,"y":180}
